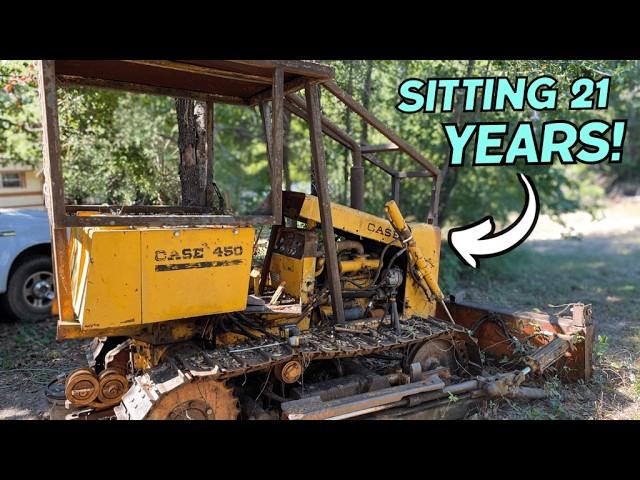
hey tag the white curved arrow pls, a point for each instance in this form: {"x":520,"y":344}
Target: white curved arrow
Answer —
{"x":478,"y":239}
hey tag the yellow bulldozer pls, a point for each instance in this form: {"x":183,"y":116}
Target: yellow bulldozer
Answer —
{"x":341,"y":318}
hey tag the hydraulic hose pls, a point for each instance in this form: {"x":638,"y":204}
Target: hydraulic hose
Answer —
{"x":424,"y":277}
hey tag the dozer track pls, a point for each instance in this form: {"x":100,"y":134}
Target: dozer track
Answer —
{"x":188,"y":363}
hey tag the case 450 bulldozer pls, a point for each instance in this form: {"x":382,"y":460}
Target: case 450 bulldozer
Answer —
{"x":342,"y":318}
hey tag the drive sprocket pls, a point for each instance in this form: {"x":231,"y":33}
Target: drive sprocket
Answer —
{"x":201,"y":399}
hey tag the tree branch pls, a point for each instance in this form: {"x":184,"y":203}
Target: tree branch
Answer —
{"x":22,"y":126}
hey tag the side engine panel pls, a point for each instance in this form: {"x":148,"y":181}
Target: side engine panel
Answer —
{"x":415,"y":300}
{"x":127,"y":277}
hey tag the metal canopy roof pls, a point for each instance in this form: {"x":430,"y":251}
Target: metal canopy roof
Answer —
{"x":242,"y":82}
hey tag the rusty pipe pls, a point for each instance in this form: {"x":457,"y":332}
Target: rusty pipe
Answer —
{"x":343,"y":246}
{"x":398,"y":378}
{"x":527,"y":393}
{"x":349,"y":245}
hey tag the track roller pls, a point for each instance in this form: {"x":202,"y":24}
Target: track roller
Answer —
{"x":289,"y":372}
{"x":82,"y":387}
{"x":113,"y":385}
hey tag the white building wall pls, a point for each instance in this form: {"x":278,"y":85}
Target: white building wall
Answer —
{"x":27,"y":195}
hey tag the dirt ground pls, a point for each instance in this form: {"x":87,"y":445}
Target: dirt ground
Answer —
{"x":592,"y":260}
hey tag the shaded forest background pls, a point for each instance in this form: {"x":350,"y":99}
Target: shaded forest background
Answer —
{"x":121,"y":148}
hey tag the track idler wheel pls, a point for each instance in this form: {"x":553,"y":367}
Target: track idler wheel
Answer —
{"x":457,"y":353}
{"x":202,"y":399}
{"x":82,"y":387}
{"x":432,"y":354}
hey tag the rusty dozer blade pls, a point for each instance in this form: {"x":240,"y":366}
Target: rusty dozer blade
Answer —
{"x":567,"y":339}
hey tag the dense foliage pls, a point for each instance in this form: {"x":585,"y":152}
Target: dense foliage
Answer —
{"x":122,"y":148}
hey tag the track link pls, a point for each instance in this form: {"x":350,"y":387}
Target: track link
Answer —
{"x":187,"y":362}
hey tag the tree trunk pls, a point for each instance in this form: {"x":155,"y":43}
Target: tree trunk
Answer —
{"x":449,"y":178}
{"x":347,"y":123}
{"x":286,"y":151}
{"x":195,"y":143}
{"x":366,"y":100}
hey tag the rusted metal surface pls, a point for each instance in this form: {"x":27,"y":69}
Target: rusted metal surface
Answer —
{"x":150,"y":220}
{"x":494,"y":327}
{"x":322,"y":185}
{"x":208,"y":70}
{"x":54,"y":182}
{"x":369,"y":157}
{"x":176,"y":397}
{"x":308,"y":68}
{"x":380,"y":126}
{"x":54,"y":185}
{"x":411,"y":398}
{"x":140,"y":209}
{"x":62,"y":274}
{"x":332,"y":389}
{"x":225,"y":81}
{"x":113,"y":385}
{"x":315,"y":409}
{"x":442,"y":409}
{"x":187,"y":362}
{"x":548,"y":354}
{"x":267,"y":94}
{"x":82,"y":387}
{"x":71,"y":81}
{"x":266,"y":264}
{"x":315,"y":344}
{"x":386,"y":147}
{"x":277,"y":144}
{"x":433,"y":354}
{"x":289,"y":372}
